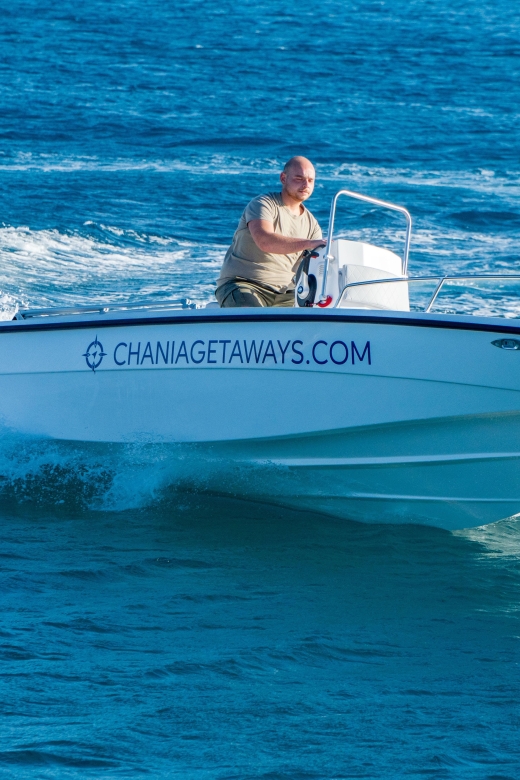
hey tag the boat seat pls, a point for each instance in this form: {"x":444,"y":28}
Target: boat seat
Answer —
{"x":361,"y":262}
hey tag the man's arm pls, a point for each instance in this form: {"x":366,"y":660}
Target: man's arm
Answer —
{"x":268,"y":241}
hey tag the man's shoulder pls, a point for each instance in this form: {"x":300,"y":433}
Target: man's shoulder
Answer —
{"x":268,"y":198}
{"x":263,"y":206}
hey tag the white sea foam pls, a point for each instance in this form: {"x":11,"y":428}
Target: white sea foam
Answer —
{"x":8,"y":306}
{"x":46,"y":267}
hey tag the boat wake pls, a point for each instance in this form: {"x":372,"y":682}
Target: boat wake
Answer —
{"x":105,"y":263}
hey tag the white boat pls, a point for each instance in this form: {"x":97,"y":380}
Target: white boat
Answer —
{"x":354,"y":406}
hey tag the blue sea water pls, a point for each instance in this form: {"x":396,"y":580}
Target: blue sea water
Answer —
{"x":151,"y":631}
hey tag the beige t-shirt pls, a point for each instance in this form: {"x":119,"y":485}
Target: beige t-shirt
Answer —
{"x":246,"y":261}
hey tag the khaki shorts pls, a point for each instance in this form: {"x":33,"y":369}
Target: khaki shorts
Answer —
{"x":237,"y":293}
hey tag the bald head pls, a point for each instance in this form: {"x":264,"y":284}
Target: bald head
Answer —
{"x":297,"y":162}
{"x":297,"y":179}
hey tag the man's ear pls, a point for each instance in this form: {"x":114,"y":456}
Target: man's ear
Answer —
{"x":283,"y":177}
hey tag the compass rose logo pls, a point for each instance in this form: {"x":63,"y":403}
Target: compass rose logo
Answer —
{"x":94,"y":354}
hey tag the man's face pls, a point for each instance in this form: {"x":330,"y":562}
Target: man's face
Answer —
{"x":298,"y":182}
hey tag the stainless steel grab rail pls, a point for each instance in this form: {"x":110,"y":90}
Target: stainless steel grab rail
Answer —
{"x":63,"y":311}
{"x":441,"y":280}
{"x":375,"y":202}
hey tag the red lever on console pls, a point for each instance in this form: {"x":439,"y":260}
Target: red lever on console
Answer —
{"x":326,"y":302}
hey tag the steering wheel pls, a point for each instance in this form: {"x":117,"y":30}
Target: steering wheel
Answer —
{"x":306,"y":284}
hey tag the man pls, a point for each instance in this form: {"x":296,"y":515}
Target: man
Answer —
{"x":273,"y":231}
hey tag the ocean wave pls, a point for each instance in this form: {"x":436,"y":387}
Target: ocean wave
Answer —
{"x":502,"y":183}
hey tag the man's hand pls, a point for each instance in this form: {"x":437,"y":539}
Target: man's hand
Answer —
{"x":316,"y":243}
{"x":268,"y":241}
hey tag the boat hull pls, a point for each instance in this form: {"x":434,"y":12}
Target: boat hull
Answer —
{"x":372,"y":418}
